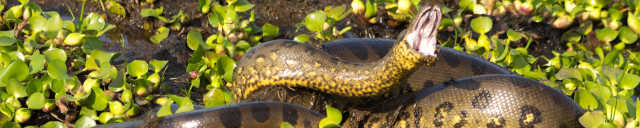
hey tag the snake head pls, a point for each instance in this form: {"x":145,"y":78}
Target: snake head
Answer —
{"x":421,"y":35}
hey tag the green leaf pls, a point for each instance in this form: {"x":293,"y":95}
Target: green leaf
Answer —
{"x":286,"y":125}
{"x":37,"y":63}
{"x":90,"y":44}
{"x":242,"y":5}
{"x":301,"y":38}
{"x":513,"y":35}
{"x":16,"y":70}
{"x":194,"y":39}
{"x":215,"y":19}
{"x":606,"y":34}
{"x":99,"y":100}
{"x":204,"y":6}
{"x":16,"y":89}
{"x":371,"y":9}
{"x":629,"y":81}
{"x":116,"y":108}
{"x":184,"y":103}
{"x":627,"y":35}
{"x":165,"y":110}
{"x":149,"y":12}
{"x":467,"y":4}
{"x":337,"y":13}
{"x":93,"y":22}
{"x":53,"y":124}
{"x":73,"y":39}
{"x":85,"y":122}
{"x":7,"y":41}
{"x":592,"y":119}
{"x":58,"y":86}
{"x":315,"y":21}
{"x":56,"y":54}
{"x":334,"y":117}
{"x":115,"y":8}
{"x":160,"y":34}
{"x":54,"y":22}
{"x":57,"y":69}
{"x":214,"y":98}
{"x":137,"y":68}
{"x":158,"y":65}
{"x":269,"y":30}
{"x":586,"y":100}
{"x":227,"y":65}
{"x":567,"y":73}
{"x":481,"y":24}
{"x":37,"y":23}
{"x":36,"y":101}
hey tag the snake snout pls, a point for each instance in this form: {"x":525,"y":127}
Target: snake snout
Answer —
{"x":424,"y":30}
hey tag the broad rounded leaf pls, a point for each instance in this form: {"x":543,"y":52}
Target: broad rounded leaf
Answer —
{"x":160,"y":34}
{"x":137,"y":68}
{"x":592,"y":119}
{"x":36,"y":101}
{"x":334,"y":117}
{"x":627,"y":35}
{"x":93,"y":22}
{"x":53,"y":124}
{"x":315,"y":21}
{"x":629,"y":81}
{"x":184,"y":103}
{"x":16,"y":70}
{"x":100,"y":100}
{"x":157,"y":65}
{"x":57,"y":69}
{"x":270,"y":30}
{"x":36,"y":63}
{"x":7,"y":41}
{"x":481,"y":24}
{"x":15,"y":89}
{"x":73,"y":39}
{"x":513,"y":35}
{"x":116,"y":8}
{"x":227,"y":65}
{"x":586,"y":100}
{"x":56,"y":54}
{"x":606,"y":34}
{"x":301,"y":38}
{"x":194,"y":39}
{"x":85,"y":122}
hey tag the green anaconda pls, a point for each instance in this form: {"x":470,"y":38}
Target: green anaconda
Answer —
{"x":479,"y":101}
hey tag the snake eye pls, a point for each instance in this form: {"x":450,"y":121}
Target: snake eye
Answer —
{"x":423,"y":31}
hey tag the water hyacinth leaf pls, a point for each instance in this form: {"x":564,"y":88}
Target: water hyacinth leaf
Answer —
{"x":334,"y":117}
{"x":204,"y":6}
{"x":315,"y":21}
{"x":36,"y":101}
{"x":7,"y":41}
{"x":242,"y":5}
{"x":137,"y":68}
{"x":160,"y":34}
{"x":629,"y":81}
{"x":53,"y":124}
{"x":633,"y":20}
{"x":513,"y":35}
{"x":56,"y":54}
{"x":230,"y":16}
{"x":57,"y":86}
{"x":15,"y":89}
{"x":98,"y":100}
{"x":592,"y":119}
{"x":57,"y":69}
{"x":371,"y":9}
{"x":54,"y":22}
{"x":270,"y":30}
{"x":90,"y":44}
{"x":214,"y":98}
{"x":606,"y":34}
{"x":627,"y":35}
{"x":184,"y":103}
{"x":481,"y":24}
{"x":467,"y":4}
{"x":37,"y":23}
{"x":215,"y":19}
{"x":337,"y":13}
{"x":286,"y":125}
{"x":149,"y":12}
{"x":586,"y":100}
{"x":85,"y":122}
{"x":158,"y":65}
{"x":568,"y":73}
{"x":73,"y":39}
{"x":227,"y":65}
{"x":194,"y":39}
{"x":35,"y":85}
{"x":37,"y":62}
{"x":116,"y":108}
{"x":116,"y":8}
{"x":301,"y":38}
{"x":16,"y":70}
{"x":93,"y":22}
{"x":165,"y":110}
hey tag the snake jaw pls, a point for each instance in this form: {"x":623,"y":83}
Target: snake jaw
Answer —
{"x":422,"y":34}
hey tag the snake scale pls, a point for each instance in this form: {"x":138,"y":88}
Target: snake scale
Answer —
{"x":496,"y":100}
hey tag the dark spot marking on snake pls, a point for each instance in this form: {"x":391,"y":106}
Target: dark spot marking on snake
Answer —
{"x":290,"y":115}
{"x":260,"y":112}
{"x":417,"y":114}
{"x":525,"y":120}
{"x":307,"y":123}
{"x":232,"y":118}
{"x":428,"y":83}
{"x":477,"y":69}
{"x":441,"y":111}
{"x":496,"y":123}
{"x":463,"y":120}
{"x":482,"y":100}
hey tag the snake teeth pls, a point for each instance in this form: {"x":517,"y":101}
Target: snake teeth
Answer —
{"x":423,"y":32}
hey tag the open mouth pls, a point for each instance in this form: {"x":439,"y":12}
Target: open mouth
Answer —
{"x":424,"y":30}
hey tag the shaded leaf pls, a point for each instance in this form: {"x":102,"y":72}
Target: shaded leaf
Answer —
{"x":36,"y":101}
{"x":194,"y":39}
{"x":269,"y":30}
{"x":160,"y":34}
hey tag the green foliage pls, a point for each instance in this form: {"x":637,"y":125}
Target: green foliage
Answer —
{"x":322,"y":22}
{"x":333,"y":119}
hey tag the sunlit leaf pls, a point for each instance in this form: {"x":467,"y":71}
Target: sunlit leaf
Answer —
{"x":627,"y":35}
{"x":149,"y":12}
{"x":53,"y":124}
{"x":73,"y":39}
{"x":194,"y":39}
{"x":592,"y":119}
{"x":16,"y":70}
{"x":160,"y":34}
{"x":15,"y":89}
{"x":606,"y":34}
{"x":85,"y":122}
{"x":629,"y":81}
{"x":57,"y":69}
{"x":37,"y":63}
{"x":158,"y":65}
{"x":7,"y":41}
{"x":184,"y":103}
{"x":301,"y":38}
{"x":116,"y":8}
{"x":36,"y":101}
{"x":337,"y":13}
{"x":481,"y":24}
{"x":227,"y":65}
{"x":269,"y":30}
{"x":513,"y":35}
{"x":213,"y":98}
{"x":137,"y":68}
{"x":334,"y":117}
{"x":204,"y":6}
{"x":566,"y":73}
{"x":315,"y":21}
{"x":242,"y":5}
{"x":586,"y":100}
{"x":56,"y":54}
{"x":93,"y":22}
